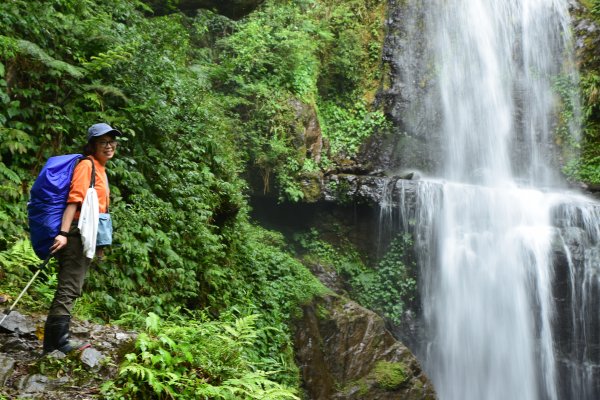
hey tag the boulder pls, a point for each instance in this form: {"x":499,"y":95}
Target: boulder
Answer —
{"x":345,"y":352}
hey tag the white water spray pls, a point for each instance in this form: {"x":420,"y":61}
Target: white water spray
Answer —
{"x":487,"y":292}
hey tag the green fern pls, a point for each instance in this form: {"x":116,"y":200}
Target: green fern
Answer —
{"x":14,"y":141}
{"x":8,"y":174}
{"x":15,"y":271}
{"x":109,"y":58}
{"x":16,"y":258}
{"x":106,"y":90}
{"x":32,"y":50}
{"x":152,"y":322}
{"x":256,"y":385}
{"x":243,"y":330}
{"x":10,"y":183}
{"x":196,"y":358}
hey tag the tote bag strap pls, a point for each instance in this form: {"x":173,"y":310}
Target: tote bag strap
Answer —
{"x":93,"y":178}
{"x":93,"y":182}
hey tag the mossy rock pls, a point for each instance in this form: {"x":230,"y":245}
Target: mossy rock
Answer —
{"x":311,"y":187}
{"x":390,"y":375}
{"x":386,"y":375}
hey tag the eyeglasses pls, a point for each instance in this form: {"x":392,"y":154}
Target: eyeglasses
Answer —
{"x":106,"y":143}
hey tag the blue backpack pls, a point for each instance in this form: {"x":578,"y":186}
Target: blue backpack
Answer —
{"x":48,"y":200}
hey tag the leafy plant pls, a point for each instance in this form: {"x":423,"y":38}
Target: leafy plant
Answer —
{"x":586,"y":170}
{"x":196,"y":358}
{"x":386,"y":288}
{"x":318,"y":53}
{"x":17,"y":266}
{"x":347,"y":128}
{"x":586,"y":165}
{"x":202,"y":101}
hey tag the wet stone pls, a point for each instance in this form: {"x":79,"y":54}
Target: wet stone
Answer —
{"x":120,"y":336}
{"x":13,"y":344}
{"x":40,"y":383}
{"x":103,"y":345}
{"x":16,"y":322}
{"x":7,"y":365}
{"x":79,"y":330}
{"x":91,"y":357}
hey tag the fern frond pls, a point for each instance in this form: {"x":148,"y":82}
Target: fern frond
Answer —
{"x":15,"y":140}
{"x":9,"y":174}
{"x":106,"y":90}
{"x":17,"y":257}
{"x":168,"y":341}
{"x":139,"y":371}
{"x":256,"y":385}
{"x":107,"y":60}
{"x":32,"y":50}
{"x":246,"y":328}
{"x":152,"y":322}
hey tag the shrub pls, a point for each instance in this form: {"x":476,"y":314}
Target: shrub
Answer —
{"x":196,"y":358}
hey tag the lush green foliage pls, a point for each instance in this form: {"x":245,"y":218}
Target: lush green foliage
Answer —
{"x":347,"y":128}
{"x":70,"y":366}
{"x":183,"y":91}
{"x":197,"y":358}
{"x":587,"y":167}
{"x":18,"y":264}
{"x":387,"y":289}
{"x":297,"y":55}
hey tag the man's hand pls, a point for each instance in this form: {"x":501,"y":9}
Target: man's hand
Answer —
{"x":60,"y":241}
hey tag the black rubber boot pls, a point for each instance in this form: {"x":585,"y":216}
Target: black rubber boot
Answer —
{"x":56,"y":335}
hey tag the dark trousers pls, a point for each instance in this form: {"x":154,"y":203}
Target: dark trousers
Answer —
{"x":72,"y":268}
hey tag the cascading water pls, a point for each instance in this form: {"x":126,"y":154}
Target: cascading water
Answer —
{"x":487,"y":266}
{"x":494,"y":268}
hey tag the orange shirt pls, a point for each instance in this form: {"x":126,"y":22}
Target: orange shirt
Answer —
{"x":81,"y":182}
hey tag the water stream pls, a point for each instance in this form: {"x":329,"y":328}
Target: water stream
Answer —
{"x":487,"y":225}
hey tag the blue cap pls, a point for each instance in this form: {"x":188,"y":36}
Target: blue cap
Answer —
{"x":101,"y":129}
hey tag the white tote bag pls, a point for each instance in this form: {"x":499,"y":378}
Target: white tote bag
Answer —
{"x":88,"y":222}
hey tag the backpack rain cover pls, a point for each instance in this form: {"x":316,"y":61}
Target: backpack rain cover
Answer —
{"x":48,"y":200}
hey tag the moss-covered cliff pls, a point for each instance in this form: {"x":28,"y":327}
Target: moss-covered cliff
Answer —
{"x":587,"y":33}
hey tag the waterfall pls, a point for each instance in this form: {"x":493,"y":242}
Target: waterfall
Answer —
{"x":487,"y":227}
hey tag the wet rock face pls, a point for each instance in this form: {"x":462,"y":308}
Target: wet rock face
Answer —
{"x":345,"y":352}
{"x":410,"y":98}
{"x":346,"y":187}
{"x":587,"y":32}
{"x":576,"y":290}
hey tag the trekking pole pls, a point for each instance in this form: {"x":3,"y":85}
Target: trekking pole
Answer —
{"x":8,"y":311}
